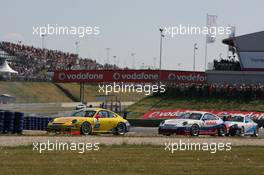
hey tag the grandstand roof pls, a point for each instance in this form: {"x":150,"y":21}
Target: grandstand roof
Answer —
{"x":253,"y":42}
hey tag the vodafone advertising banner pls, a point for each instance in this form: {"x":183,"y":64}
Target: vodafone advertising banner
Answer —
{"x":160,"y":114}
{"x":135,"y":76}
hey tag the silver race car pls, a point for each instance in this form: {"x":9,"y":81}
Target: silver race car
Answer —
{"x":194,"y":123}
{"x":239,"y":124}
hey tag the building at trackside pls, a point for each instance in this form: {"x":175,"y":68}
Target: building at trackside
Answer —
{"x":250,"y":51}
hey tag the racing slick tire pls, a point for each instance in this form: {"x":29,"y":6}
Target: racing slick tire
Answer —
{"x":167,"y":134}
{"x":242,"y":132}
{"x":233,"y":133}
{"x":194,"y":130}
{"x":221,"y":131}
{"x":120,"y":129}
{"x":234,"y":130}
{"x":86,"y":128}
{"x":256,"y":132}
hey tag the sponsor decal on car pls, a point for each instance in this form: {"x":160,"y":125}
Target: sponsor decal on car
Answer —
{"x":174,"y":113}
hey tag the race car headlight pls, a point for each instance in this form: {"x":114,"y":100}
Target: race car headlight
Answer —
{"x":74,"y":121}
{"x":162,"y":123}
{"x":51,"y":121}
{"x":227,"y":125}
{"x":184,"y":123}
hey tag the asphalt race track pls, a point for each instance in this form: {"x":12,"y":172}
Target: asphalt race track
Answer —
{"x":137,"y":135}
{"x":153,"y":131}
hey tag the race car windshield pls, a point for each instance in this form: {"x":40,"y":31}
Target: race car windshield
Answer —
{"x":184,"y":116}
{"x":195,"y":116}
{"x":192,"y":116}
{"x":237,"y":119}
{"x":83,"y":114}
{"x":89,"y":113}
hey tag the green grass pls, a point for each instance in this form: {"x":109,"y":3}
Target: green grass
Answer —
{"x":91,"y":92}
{"x":33,"y":92}
{"x":132,"y":159}
{"x":45,"y":92}
{"x":152,"y":103}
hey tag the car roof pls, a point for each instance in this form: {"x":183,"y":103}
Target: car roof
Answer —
{"x":242,"y":115}
{"x":92,"y":109}
{"x":201,"y":112}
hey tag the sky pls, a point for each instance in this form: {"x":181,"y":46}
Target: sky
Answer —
{"x":130,"y":27}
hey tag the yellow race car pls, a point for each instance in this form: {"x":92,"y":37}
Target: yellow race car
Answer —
{"x":90,"y":120}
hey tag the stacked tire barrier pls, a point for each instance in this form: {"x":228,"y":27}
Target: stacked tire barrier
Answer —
{"x":11,"y":122}
{"x":36,"y":123}
{"x":16,"y":122}
{"x":2,"y":117}
{"x":8,"y":122}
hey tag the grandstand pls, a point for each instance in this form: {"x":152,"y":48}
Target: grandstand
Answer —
{"x":38,"y":64}
{"x":230,"y":78}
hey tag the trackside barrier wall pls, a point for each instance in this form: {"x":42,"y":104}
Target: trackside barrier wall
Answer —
{"x":11,"y":122}
{"x":2,"y":117}
{"x":145,"y":122}
{"x":8,"y":122}
{"x":16,"y":122}
{"x":36,"y":123}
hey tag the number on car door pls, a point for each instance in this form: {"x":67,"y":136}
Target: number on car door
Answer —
{"x":209,"y":120}
{"x":249,"y":126}
{"x":105,"y":123}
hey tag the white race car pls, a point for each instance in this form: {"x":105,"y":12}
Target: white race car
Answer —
{"x":193,"y":123}
{"x":239,"y":124}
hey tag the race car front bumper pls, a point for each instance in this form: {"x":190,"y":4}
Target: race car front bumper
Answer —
{"x":128,"y":126}
{"x":62,"y":128}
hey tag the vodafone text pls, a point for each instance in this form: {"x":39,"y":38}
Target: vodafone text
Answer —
{"x":131,"y":76}
{"x":186,"y":78}
{"x":80,"y":76}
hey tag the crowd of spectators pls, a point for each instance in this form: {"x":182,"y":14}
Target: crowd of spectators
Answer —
{"x":225,"y":91}
{"x":227,"y":64}
{"x":37,"y":63}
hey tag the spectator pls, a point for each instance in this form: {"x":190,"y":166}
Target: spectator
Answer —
{"x":225,"y":91}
